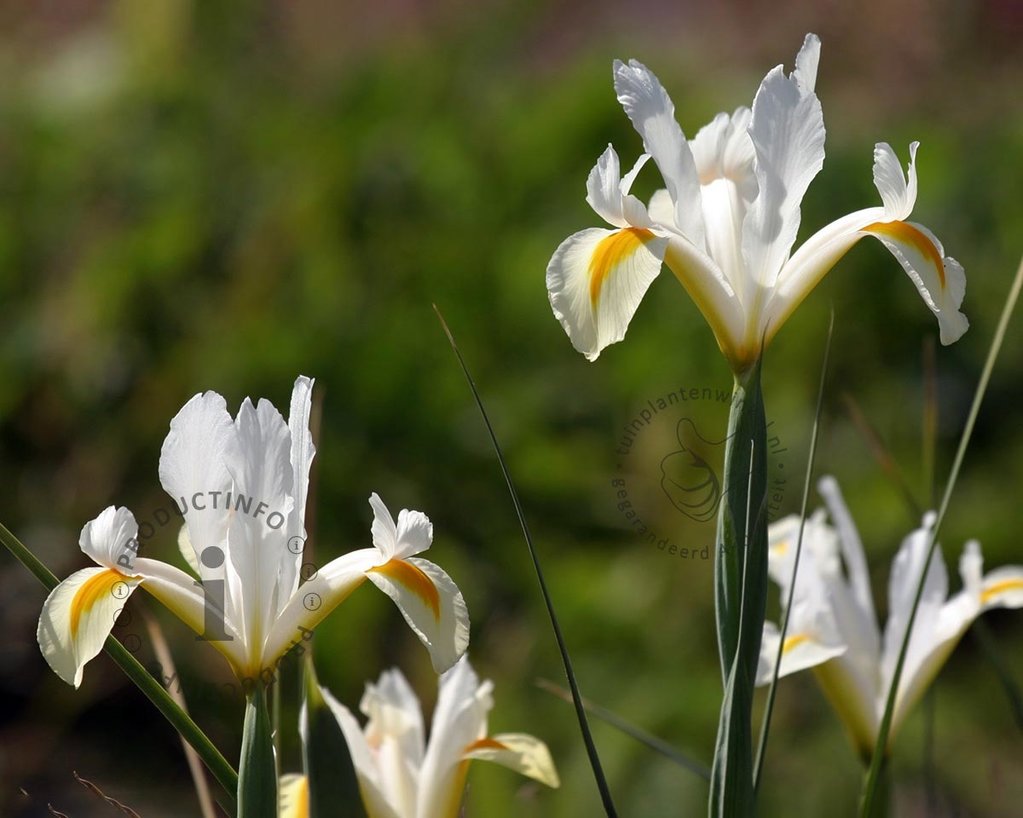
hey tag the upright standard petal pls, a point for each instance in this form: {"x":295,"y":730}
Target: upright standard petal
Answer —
{"x":302,"y":452}
{"x":193,"y":470}
{"x":261,"y":473}
{"x":596,"y":279}
{"x":787,"y":130}
{"x":652,"y":113}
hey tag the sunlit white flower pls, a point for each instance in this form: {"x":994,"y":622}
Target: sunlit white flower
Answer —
{"x":242,"y":486}
{"x":727,"y":219}
{"x":833,"y":627}
{"x":401,"y":775}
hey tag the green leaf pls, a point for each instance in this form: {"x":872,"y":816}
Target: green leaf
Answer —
{"x":740,"y":587}
{"x":257,"y":767}
{"x":333,"y":785}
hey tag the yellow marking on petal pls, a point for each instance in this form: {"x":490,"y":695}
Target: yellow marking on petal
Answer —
{"x":907,"y":234}
{"x":781,"y":547}
{"x":484,"y":744}
{"x":415,"y":579}
{"x":89,"y":593}
{"x":794,"y":642}
{"x":999,"y":588}
{"x":611,"y":252}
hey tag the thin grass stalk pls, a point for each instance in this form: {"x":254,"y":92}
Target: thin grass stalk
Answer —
{"x":577,"y":699}
{"x":163,"y":655}
{"x":141,"y":678}
{"x":807,"y":481}
{"x":871,"y":783}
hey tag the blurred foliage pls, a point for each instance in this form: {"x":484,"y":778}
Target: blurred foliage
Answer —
{"x":222,"y":195}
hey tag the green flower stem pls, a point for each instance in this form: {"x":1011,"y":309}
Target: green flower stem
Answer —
{"x":257,"y":767}
{"x":154,"y":691}
{"x":881,"y":802}
{"x":740,"y":588}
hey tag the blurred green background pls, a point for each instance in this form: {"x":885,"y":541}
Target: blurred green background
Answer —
{"x":222,"y":195}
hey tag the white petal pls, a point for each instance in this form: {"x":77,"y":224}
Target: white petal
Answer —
{"x":187,"y":550}
{"x":302,"y":452}
{"x":193,"y":465}
{"x":811,"y":640}
{"x":258,"y":541}
{"x":595,"y":281}
{"x":77,"y":618}
{"x":415,"y":533}
{"x":383,"y":530}
{"x":395,"y":733}
{"x":314,"y":600}
{"x":374,"y":798}
{"x":522,"y":753}
{"x":653,"y":115}
{"x":431,"y":604}
{"x":196,"y":605}
{"x":459,"y":719}
{"x":1003,"y":588}
{"x":393,"y":710}
{"x":897,"y":193}
{"x":940,"y":279}
{"x":787,"y":130}
{"x":852,"y":546}
{"x":807,"y":59}
{"x":111,"y":540}
{"x":608,"y":193}
{"x":723,"y":149}
{"x":412,"y":534}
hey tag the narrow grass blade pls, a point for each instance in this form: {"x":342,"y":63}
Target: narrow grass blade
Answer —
{"x":584,"y":727}
{"x":153,"y":690}
{"x":329,"y":769}
{"x":166,"y":660}
{"x":870,"y":787}
{"x":658,"y":745}
{"x":807,"y":481}
{"x":988,"y":646}
{"x":257,"y":767}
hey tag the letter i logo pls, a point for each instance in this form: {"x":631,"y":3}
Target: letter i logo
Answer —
{"x":213,"y":595}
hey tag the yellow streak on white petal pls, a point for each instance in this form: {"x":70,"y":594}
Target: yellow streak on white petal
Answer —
{"x":611,"y":252}
{"x":907,"y":234}
{"x":415,"y":580}
{"x":794,"y":641}
{"x":999,"y":588}
{"x":91,"y":591}
{"x":484,"y":744}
